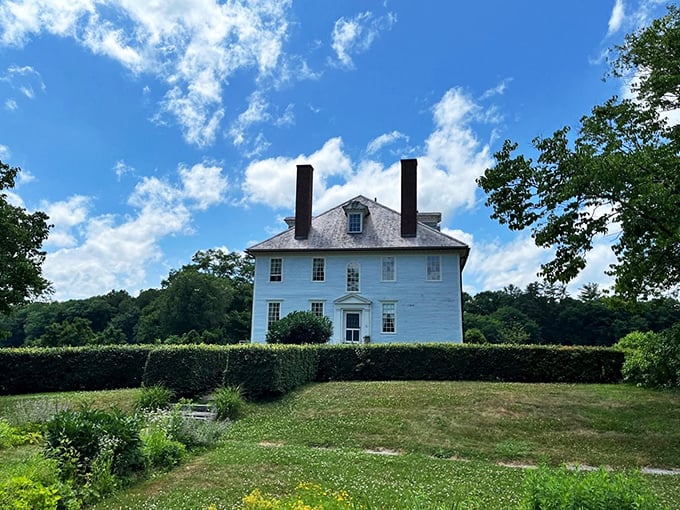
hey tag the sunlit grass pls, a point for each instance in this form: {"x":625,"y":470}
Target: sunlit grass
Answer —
{"x":450,"y":438}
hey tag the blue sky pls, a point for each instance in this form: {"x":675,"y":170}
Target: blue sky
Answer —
{"x":149,"y":133}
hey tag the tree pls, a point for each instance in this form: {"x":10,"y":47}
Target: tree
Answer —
{"x":622,"y":169}
{"x":300,"y":327}
{"x":21,"y":237}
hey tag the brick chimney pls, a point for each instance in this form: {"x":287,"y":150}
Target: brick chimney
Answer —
{"x":409,"y":191}
{"x":303,"y":201}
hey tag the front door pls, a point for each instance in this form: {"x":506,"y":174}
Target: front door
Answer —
{"x":352,"y":326}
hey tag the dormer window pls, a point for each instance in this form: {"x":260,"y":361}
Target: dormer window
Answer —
{"x":355,"y":223}
{"x":356,"y":212}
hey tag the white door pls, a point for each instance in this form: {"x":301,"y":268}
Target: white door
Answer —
{"x":352,"y":326}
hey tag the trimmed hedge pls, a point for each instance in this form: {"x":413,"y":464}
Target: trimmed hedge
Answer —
{"x":452,"y":362}
{"x":36,"y":370}
{"x":266,"y":371}
{"x":188,"y":370}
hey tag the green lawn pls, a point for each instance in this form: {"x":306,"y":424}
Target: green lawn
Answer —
{"x":449,"y":438}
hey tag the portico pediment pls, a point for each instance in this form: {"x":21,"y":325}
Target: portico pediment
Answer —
{"x":352,"y":299}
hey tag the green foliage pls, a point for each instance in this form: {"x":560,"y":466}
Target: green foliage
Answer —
{"x":21,"y":493}
{"x":13,"y":436}
{"x":87,"y":442}
{"x":655,"y":362}
{"x":474,"y":336}
{"x":228,"y":403}
{"x":264,"y":371}
{"x":187,"y":370}
{"x":160,"y":449}
{"x":21,"y":237}
{"x":152,"y":398}
{"x":561,"y":489}
{"x":38,"y":370}
{"x":634,"y":340}
{"x":301,"y":327}
{"x":621,"y":168}
{"x":450,"y":362}
{"x":74,"y":332}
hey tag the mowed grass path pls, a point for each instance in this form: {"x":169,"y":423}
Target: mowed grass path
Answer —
{"x":448,"y":436}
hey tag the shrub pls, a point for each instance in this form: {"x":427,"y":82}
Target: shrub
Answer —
{"x":35,"y":484}
{"x":160,"y":450}
{"x":37,"y":370}
{"x":452,"y":362}
{"x":301,"y":327}
{"x":188,"y":370}
{"x":656,"y":361}
{"x":264,"y":371}
{"x":22,"y":493}
{"x":81,"y":439}
{"x":153,"y":397}
{"x":634,"y":340}
{"x":560,"y":489}
{"x":228,"y":402}
{"x":13,"y":436}
{"x":186,"y":430}
{"x":475,"y":336}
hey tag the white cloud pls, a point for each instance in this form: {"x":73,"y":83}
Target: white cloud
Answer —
{"x":195,"y":48}
{"x":356,"y":35}
{"x":65,"y":215}
{"x":93,"y":254}
{"x":385,"y":139}
{"x":25,"y":80}
{"x":448,"y":166}
{"x":255,"y":113}
{"x":4,"y":152}
{"x":496,"y":264}
{"x":617,"y":17}
{"x":498,"y":90}
{"x":121,"y":168}
{"x":204,"y":184}
{"x":272,"y":181}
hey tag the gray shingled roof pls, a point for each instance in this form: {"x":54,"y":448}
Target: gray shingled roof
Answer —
{"x":381,"y":231}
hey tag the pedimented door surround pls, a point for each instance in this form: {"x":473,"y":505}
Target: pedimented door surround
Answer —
{"x":345,"y":319}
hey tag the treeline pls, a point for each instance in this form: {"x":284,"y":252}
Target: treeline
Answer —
{"x":545,"y":314}
{"x":207,"y":301}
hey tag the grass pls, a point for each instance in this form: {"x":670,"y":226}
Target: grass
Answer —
{"x":40,"y":407}
{"x":450,"y":437}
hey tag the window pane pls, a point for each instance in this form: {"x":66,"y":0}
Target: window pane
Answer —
{"x":273,"y":313}
{"x":317,"y":308}
{"x":389,"y":318}
{"x":318,"y":270}
{"x":388,"y":269}
{"x":275,"y":266}
{"x":352,"y":277}
{"x":352,"y":320}
{"x":434,"y":272}
{"x":354,"y":222}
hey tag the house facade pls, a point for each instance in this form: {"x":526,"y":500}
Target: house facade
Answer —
{"x":381,"y":276}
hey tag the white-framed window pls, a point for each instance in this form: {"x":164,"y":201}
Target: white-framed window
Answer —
{"x":316,"y":307}
{"x":434,"y":268}
{"x":273,"y":312}
{"x":389,"y":317}
{"x":353,"y":277}
{"x":318,"y":269}
{"x":275,"y":269}
{"x":355,"y":222}
{"x":389,"y":269}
